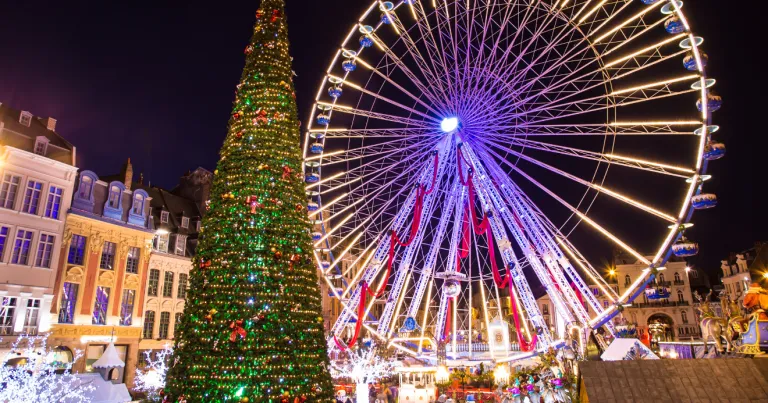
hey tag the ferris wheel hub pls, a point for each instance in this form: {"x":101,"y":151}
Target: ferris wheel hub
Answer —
{"x":449,"y":124}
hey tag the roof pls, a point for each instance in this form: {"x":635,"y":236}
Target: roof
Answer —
{"x":37,"y":127}
{"x":109,"y":359}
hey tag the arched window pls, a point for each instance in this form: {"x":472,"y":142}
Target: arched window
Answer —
{"x":114,"y":196}
{"x":680,"y":295}
{"x":677,"y":276}
{"x":138,"y":204}
{"x":684,"y":315}
{"x":86,"y":186}
{"x":627,"y":280}
{"x":113,"y":374}
{"x":661,"y":277}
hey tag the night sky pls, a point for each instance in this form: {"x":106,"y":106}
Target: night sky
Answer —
{"x":156,"y":83}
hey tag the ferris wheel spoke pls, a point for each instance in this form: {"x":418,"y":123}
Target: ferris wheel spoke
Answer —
{"x":584,"y":217}
{"x":616,"y":195}
{"x":382,"y":98}
{"x":374,"y":150}
{"x":428,"y":69}
{"x":614,"y":159}
{"x":389,"y":80}
{"x":341,"y":133}
{"x":378,"y":115}
{"x":426,"y":90}
{"x":594,"y":129}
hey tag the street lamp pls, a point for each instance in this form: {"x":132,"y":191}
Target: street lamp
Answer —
{"x":441,"y":376}
{"x":501,"y":375}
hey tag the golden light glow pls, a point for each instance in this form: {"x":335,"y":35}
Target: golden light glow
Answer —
{"x":628,"y":20}
{"x":592,"y":11}
{"x":655,"y":84}
{"x":641,"y":51}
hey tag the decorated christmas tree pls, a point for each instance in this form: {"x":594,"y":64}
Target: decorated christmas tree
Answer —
{"x":252,"y":329}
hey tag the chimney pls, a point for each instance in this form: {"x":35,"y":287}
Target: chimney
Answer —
{"x":128,"y":174}
{"x":50,"y":123}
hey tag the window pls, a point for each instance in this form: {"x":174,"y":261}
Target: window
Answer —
{"x":114,"y":197}
{"x":661,"y":277}
{"x":164,"y":217}
{"x":77,"y":250}
{"x":53,"y":205}
{"x":168,"y":284}
{"x":68,"y":303}
{"x":9,"y":190}
{"x":182,"y":291}
{"x":86,"y":185}
{"x":45,"y":250}
{"x":184,"y":222}
{"x":126,"y":307}
{"x":176,"y":323}
{"x":154,"y":282}
{"x":165,"y":322}
{"x":100,"y":306}
{"x":627,"y":280}
{"x":693,"y":274}
{"x":21,"y":247}
{"x":138,"y":204}
{"x":161,"y":242}
{"x":108,"y":256}
{"x":680,"y":295}
{"x":7,"y":310}
{"x":545,"y":309}
{"x":132,"y":262}
{"x":605,"y":304}
{"x":41,"y":145}
{"x":684,"y":316}
{"x":198,"y":224}
{"x":677,"y":277}
{"x":3,"y":240}
{"x":25,"y":118}
{"x":149,"y":324}
{"x":32,"y":197}
{"x":181,"y":244}
{"x":30,"y":316}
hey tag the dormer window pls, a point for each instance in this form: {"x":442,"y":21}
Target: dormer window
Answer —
{"x":86,"y":186}
{"x":184,"y":222}
{"x":41,"y":145}
{"x":164,"y":217}
{"x":138,"y":204}
{"x":25,"y":118}
{"x":114,"y":196}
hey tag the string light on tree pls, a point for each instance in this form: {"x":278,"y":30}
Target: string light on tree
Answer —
{"x":250,"y":332}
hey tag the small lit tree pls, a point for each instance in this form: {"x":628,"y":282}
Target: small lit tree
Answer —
{"x":38,"y":377}
{"x":151,"y":378}
{"x":362,"y":366}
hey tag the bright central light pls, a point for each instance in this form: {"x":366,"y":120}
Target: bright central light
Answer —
{"x":449,"y":124}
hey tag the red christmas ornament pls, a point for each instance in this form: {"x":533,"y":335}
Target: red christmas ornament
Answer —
{"x":294,"y":259}
{"x":278,"y":255}
{"x":275,"y":15}
{"x":205,"y":265}
{"x":259,"y":13}
{"x":299,"y":207}
{"x":237,"y":115}
{"x":237,"y":330}
{"x":261,"y":117}
{"x":277,"y":201}
{"x":287,"y":171}
{"x":240,"y":134}
{"x":254,"y":203}
{"x":303,"y":398}
{"x":248,"y":49}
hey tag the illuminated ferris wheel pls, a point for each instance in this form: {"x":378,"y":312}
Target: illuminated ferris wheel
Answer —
{"x":462,"y":154}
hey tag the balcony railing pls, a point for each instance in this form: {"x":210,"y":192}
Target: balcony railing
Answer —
{"x":679,"y":282}
{"x":659,"y":304}
{"x":476,"y":347}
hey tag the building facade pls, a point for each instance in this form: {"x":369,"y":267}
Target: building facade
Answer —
{"x":741,"y":269}
{"x":37,"y":168}
{"x":99,"y":291}
{"x":556,"y":323}
{"x":177,"y":223}
{"x":664,"y":312}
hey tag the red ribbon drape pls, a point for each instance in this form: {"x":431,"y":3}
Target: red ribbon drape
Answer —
{"x":394,"y":241}
{"x":524,"y":345}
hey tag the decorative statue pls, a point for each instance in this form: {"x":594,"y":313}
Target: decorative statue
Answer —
{"x":712,"y":326}
{"x":737,"y":323}
{"x":755,"y":339}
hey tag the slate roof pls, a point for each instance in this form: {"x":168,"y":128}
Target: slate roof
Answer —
{"x":714,"y":380}
{"x":177,"y":207}
{"x":37,"y":127}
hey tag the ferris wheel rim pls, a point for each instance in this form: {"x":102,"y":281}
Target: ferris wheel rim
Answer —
{"x":692,"y":41}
